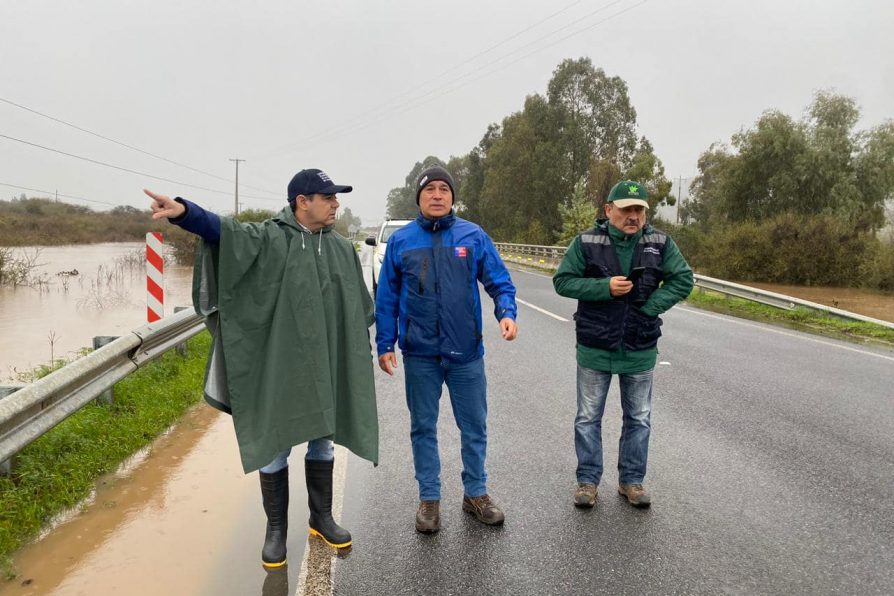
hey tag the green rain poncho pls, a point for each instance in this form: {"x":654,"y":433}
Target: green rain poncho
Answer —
{"x":289,"y":314}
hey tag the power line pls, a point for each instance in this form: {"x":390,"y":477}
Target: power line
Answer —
{"x":441,"y":91}
{"x":131,"y":147}
{"x":123,"y":169}
{"x":416,"y":102}
{"x":388,"y":104}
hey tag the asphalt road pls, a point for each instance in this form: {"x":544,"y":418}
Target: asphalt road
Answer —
{"x":771,"y":467}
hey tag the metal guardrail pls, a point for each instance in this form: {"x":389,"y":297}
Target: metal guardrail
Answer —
{"x":31,"y":411}
{"x":549,"y":257}
{"x":530,"y":254}
{"x":780,"y":300}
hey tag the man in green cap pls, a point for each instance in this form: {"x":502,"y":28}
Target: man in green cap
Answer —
{"x":623,"y":273}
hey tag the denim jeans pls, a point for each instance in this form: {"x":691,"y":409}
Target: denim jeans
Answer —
{"x":636,"y":404}
{"x":467,"y":385}
{"x":317,"y":450}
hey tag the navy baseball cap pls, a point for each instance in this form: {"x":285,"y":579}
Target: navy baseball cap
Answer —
{"x":311,"y":181}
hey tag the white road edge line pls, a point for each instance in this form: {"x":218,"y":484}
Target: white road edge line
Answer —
{"x":785,"y":333}
{"x":534,"y":273}
{"x":546,"y":312}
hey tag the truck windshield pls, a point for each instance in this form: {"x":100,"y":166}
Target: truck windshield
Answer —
{"x":386,"y":233}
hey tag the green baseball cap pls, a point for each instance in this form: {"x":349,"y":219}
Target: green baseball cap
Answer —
{"x":627,"y":193}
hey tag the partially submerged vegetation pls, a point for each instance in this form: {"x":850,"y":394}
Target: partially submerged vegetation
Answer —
{"x":60,"y":469}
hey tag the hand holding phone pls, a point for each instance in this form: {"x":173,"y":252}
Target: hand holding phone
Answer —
{"x":635,"y":274}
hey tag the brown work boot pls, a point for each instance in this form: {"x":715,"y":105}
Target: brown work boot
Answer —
{"x":636,"y":494}
{"x":585,"y":494}
{"x":428,"y":517}
{"x":484,"y":509}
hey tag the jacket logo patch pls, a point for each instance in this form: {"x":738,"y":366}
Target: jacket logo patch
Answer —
{"x":460,"y":251}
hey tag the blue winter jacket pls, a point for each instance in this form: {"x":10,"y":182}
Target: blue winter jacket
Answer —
{"x":427,"y":293}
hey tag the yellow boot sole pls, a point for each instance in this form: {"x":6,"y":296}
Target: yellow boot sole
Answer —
{"x":313,"y":532}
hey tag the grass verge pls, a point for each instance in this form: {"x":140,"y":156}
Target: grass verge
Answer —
{"x":59,"y":470}
{"x":799,"y":318}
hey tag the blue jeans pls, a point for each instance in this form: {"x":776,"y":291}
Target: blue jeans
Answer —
{"x":317,"y":450}
{"x":636,"y":404}
{"x":467,"y":386}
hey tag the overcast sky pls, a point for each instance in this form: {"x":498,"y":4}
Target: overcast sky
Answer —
{"x":363,"y":89}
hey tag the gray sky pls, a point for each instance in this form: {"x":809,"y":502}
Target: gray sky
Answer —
{"x":364,"y":89}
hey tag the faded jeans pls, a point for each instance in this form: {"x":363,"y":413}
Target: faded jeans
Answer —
{"x":467,"y":386}
{"x":636,"y":404}
{"x":317,"y":450}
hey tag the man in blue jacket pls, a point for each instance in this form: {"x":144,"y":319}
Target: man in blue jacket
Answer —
{"x":428,"y":303}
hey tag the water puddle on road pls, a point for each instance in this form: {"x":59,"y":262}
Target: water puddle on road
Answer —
{"x":185,"y":521}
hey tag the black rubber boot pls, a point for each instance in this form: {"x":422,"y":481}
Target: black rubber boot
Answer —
{"x":275,"y":493}
{"x":319,"y":501}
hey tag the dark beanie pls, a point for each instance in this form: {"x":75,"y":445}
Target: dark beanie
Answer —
{"x":434,"y":173}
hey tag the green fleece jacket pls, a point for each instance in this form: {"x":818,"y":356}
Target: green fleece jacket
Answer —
{"x":289,"y":313}
{"x":569,"y":281}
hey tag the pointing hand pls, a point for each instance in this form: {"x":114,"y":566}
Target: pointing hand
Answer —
{"x":164,"y":206}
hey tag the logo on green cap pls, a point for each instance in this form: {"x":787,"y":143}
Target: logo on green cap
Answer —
{"x":633,"y":188}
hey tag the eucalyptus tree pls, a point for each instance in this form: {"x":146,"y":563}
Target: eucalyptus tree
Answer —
{"x":819,"y":165}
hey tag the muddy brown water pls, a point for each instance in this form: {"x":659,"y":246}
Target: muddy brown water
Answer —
{"x":57,"y":318}
{"x":184,"y":519}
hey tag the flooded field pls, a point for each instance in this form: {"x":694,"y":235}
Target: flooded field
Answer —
{"x":78,"y":292}
{"x":864,"y":302}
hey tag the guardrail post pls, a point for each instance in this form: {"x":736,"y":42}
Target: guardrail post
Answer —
{"x":181,"y":348}
{"x":107,"y":397}
{"x":7,"y":466}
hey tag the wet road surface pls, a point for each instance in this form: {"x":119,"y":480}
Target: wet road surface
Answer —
{"x":770,"y":467}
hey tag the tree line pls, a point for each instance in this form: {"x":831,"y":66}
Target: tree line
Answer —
{"x":787,"y":200}
{"x":45,"y":222}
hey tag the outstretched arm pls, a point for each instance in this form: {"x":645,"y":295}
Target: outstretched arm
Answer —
{"x":186,"y":215}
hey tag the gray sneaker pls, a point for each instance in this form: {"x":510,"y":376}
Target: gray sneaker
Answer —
{"x":636,"y":494}
{"x":585,"y":494}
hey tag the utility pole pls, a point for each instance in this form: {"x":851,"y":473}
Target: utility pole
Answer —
{"x":236,"y":202}
{"x":679,"y":194}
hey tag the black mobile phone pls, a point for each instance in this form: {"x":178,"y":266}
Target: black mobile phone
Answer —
{"x":635,"y":274}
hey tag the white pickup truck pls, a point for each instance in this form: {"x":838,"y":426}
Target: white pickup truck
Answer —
{"x":379,"y":243}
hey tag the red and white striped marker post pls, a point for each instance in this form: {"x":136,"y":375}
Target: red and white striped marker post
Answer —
{"x":155,"y":269}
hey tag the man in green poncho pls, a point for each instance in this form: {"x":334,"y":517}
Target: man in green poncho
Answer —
{"x":289,"y":313}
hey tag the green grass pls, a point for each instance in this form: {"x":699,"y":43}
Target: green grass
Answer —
{"x":799,"y":318}
{"x":59,"y":470}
